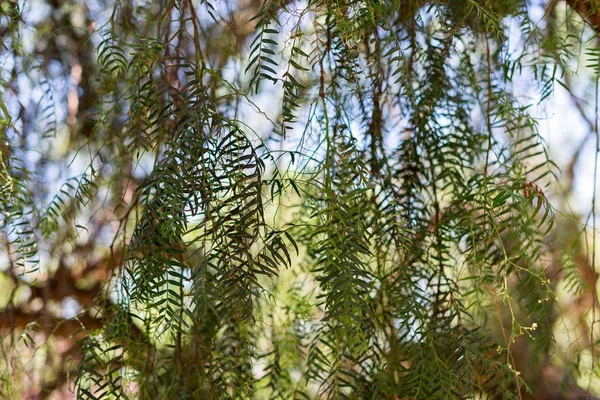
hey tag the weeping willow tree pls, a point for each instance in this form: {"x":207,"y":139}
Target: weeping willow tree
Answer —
{"x":290,"y":199}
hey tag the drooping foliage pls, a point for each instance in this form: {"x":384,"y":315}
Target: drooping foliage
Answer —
{"x":322,"y":199}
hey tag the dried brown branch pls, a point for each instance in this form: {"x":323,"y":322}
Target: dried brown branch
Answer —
{"x":589,"y":11}
{"x":18,"y":319}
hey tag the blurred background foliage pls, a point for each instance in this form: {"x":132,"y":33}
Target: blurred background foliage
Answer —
{"x":386,"y":199}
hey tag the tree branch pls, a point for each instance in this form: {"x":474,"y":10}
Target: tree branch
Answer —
{"x":589,"y":11}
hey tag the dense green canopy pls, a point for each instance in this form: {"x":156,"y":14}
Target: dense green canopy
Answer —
{"x":294,"y":199}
